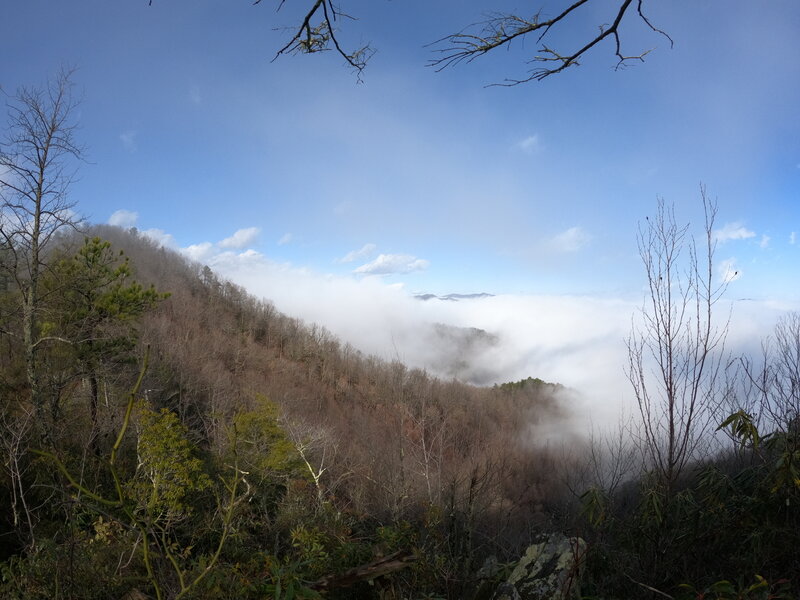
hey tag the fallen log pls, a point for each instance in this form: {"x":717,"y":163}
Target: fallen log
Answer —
{"x":366,"y":572}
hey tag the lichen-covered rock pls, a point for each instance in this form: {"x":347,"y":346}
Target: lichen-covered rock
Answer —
{"x":549,"y":570}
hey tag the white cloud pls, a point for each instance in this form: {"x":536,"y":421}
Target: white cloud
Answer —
{"x":364,"y":252}
{"x":530,"y":144}
{"x":161,"y":237}
{"x":727,"y":270}
{"x":240,"y":239}
{"x":571,"y":240}
{"x":733,"y":231}
{"x":199,"y":252}
{"x":123,"y":218}
{"x":128,"y":139}
{"x":386,"y":264}
{"x":764,"y":243}
{"x":792,"y":238}
{"x":285,"y":239}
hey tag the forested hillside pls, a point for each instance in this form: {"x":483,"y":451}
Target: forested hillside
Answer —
{"x":186,"y":440}
{"x":259,"y":452}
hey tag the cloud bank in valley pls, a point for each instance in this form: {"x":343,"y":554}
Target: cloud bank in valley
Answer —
{"x":571,"y":340}
{"x":577,"y":341}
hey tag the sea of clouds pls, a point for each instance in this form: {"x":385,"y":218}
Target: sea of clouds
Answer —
{"x":576,"y":341}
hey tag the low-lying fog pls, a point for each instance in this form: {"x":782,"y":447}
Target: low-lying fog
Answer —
{"x":576,"y":341}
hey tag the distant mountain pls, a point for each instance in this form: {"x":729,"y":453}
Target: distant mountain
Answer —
{"x":453,"y":297}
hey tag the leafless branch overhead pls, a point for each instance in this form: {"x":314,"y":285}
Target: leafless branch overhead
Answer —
{"x":502,"y":29}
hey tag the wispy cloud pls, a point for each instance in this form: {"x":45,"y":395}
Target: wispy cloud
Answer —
{"x":387,"y":264}
{"x":242,"y":238}
{"x":764,"y":243}
{"x":285,"y":239}
{"x":123,"y":218}
{"x":733,"y":231}
{"x":199,"y":252}
{"x":792,"y":238}
{"x":728,"y":271}
{"x":570,"y":240}
{"x":128,"y":139}
{"x":530,"y":144}
{"x":364,"y":252}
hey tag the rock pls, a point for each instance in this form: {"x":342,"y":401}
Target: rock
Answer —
{"x":549,"y":570}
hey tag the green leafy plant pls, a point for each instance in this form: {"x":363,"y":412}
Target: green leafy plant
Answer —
{"x":287,"y":580}
{"x":168,"y":471}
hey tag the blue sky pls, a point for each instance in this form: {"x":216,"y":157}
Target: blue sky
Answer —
{"x":430,"y":181}
{"x":533,"y":189}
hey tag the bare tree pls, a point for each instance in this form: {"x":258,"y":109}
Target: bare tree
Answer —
{"x":768,"y":389}
{"x":318,"y":450}
{"x":14,"y":431}
{"x":35,"y":176}
{"x":675,"y":349}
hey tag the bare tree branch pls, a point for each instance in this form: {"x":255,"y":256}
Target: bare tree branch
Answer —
{"x":310,"y":38}
{"x":317,"y":33}
{"x":502,"y":29}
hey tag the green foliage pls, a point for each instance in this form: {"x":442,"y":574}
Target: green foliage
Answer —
{"x":782,"y":449}
{"x":785,"y":474}
{"x":529,"y":382}
{"x":327,"y":545}
{"x":287,"y":580}
{"x":311,"y":547}
{"x":168,"y":472}
{"x":742,"y":428}
{"x":652,"y":504}
{"x":265,"y":451}
{"x":92,"y":291}
{"x":594,"y":506}
{"x":397,"y":536}
{"x":267,"y":457}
